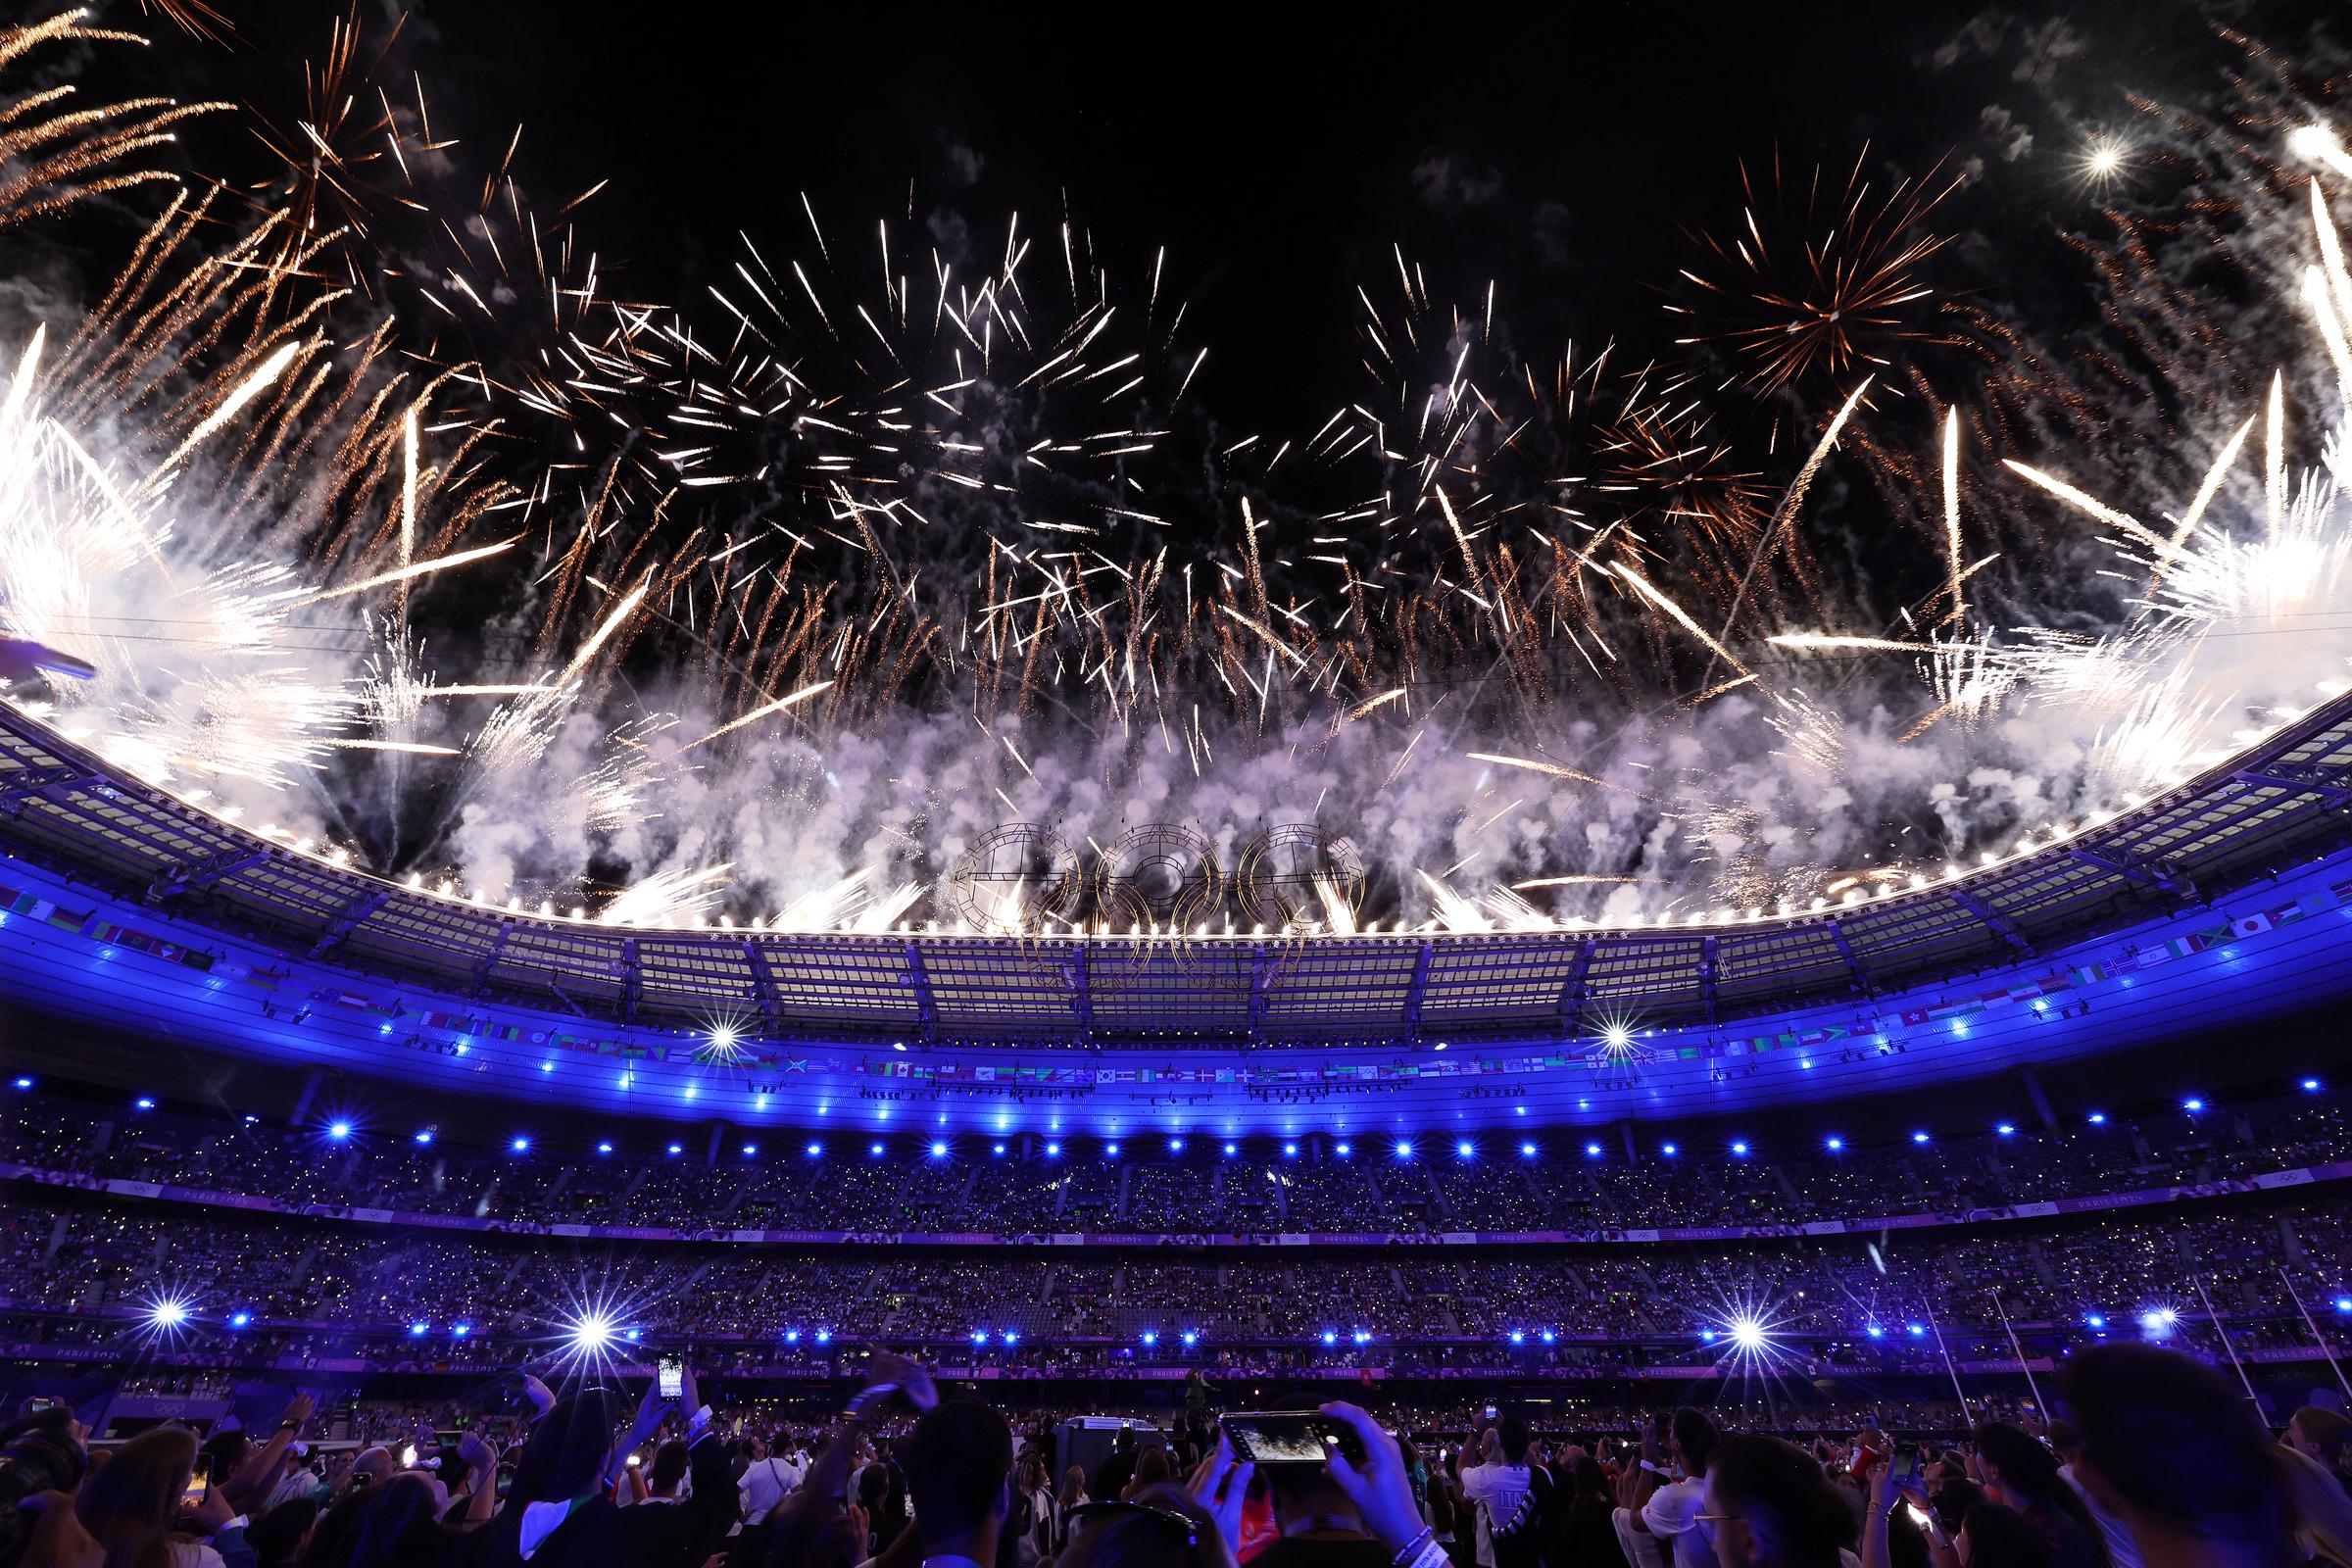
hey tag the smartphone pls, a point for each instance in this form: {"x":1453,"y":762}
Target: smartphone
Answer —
{"x":672,"y":1375}
{"x":1288,"y":1437}
{"x":200,"y":1482}
{"x":1910,"y":1459}
{"x":37,"y":1404}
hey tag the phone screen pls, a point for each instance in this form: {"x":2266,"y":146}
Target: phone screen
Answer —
{"x":36,"y":1402}
{"x":672,"y":1373}
{"x":200,"y":1481}
{"x":1909,"y":1461}
{"x":1288,"y":1437}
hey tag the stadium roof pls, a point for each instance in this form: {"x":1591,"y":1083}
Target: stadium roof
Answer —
{"x":2281,"y":803}
{"x":2270,"y":813}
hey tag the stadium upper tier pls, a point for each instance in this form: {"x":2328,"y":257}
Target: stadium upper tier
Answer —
{"x":2223,"y":900}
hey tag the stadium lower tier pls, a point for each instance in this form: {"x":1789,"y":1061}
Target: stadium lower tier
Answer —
{"x":89,"y":1280}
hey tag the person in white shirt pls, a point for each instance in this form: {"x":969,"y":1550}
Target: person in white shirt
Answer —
{"x":1661,"y":1508}
{"x":768,"y":1480}
{"x":1497,"y":1486}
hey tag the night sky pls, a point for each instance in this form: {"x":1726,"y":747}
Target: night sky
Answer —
{"x":1556,"y":151}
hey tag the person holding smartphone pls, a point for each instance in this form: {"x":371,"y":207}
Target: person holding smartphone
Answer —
{"x":150,"y":1503}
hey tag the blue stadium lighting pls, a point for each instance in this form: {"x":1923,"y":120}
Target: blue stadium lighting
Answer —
{"x":1527,"y":1151}
{"x":1747,"y":1334}
{"x":425,"y":1134}
{"x":238,"y":1320}
{"x":338,"y":1130}
{"x":997,"y":1149}
{"x":1707,"y":1336}
{"x":1111,"y":1151}
{"x":2344,"y":1304}
{"x":1916,"y":1332}
{"x":813,"y":1150}
{"x":2192,"y":1106}
{"x":2311,"y":1086}
{"x":1919,"y":1138}
{"x":417,"y":1329}
{"x":2098,"y":1118}
{"x":1290,"y":1150}
{"x":1518,"y":1337}
{"x":1011,"y":1337}
{"x":1361,"y":1335}
{"x":2094,"y":1320}
{"x":1669,"y":1150}
{"x":24,"y":1083}
{"x":1550,"y":1338}
{"x":1343,"y":1149}
{"x":825,"y":1336}
{"x":1330,"y":1337}
{"x":1740,"y":1148}
{"x":1405,"y":1148}
{"x":677,"y":1149}
{"x":792,"y":1336}
{"x":603,"y":1149}
{"x":631,"y":1335}
{"x":1175,"y":1145}
{"x":1465,"y":1149}
{"x":520,"y":1145}
{"x":1875,"y":1332}
{"x":938,"y":1150}
{"x":1053,"y":1151}
{"x":457,"y":1330}
{"x":1191,"y":1338}
{"x":168,"y":1313}
{"x":1232,"y":1149}
{"x":873,"y":1150}
{"x":592,"y":1332}
{"x":979,"y":1336}
{"x":1835,"y":1145}
{"x":144,"y":1104}
{"x":749,"y":1150}
{"x":1591,"y":1151}
{"x":1151,"y":1337}
{"x":2006,"y":1129}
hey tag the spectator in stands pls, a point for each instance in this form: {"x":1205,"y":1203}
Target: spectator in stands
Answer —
{"x":1112,"y":1476}
{"x":958,"y":1463}
{"x":2325,"y":1436}
{"x":767,"y":1480}
{"x":277,"y":1535}
{"x":1072,"y":1496}
{"x":399,"y":1524}
{"x":1587,"y":1534}
{"x":559,"y":1514}
{"x":2172,"y":1449}
{"x":1769,"y":1506}
{"x":131,"y":1505}
{"x":1151,"y":1469}
{"x":2020,"y":1473}
{"x":1661,"y":1513}
{"x":1162,"y":1528}
{"x":1502,"y":1494}
{"x":666,"y":1474}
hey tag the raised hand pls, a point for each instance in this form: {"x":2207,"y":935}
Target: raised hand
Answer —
{"x":1220,"y":1484}
{"x":1383,"y":1490}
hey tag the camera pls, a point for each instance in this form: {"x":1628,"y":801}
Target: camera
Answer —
{"x":38,"y":1454}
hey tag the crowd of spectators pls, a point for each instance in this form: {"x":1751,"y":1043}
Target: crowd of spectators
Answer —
{"x":2148,"y":1459}
{"x":82,"y":1268}
{"x":1028,"y":1185}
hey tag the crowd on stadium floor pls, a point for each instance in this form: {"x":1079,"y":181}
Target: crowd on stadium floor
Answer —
{"x":2157,"y":1463}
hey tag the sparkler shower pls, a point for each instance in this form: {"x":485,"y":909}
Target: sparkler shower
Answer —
{"x":894,"y":581}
